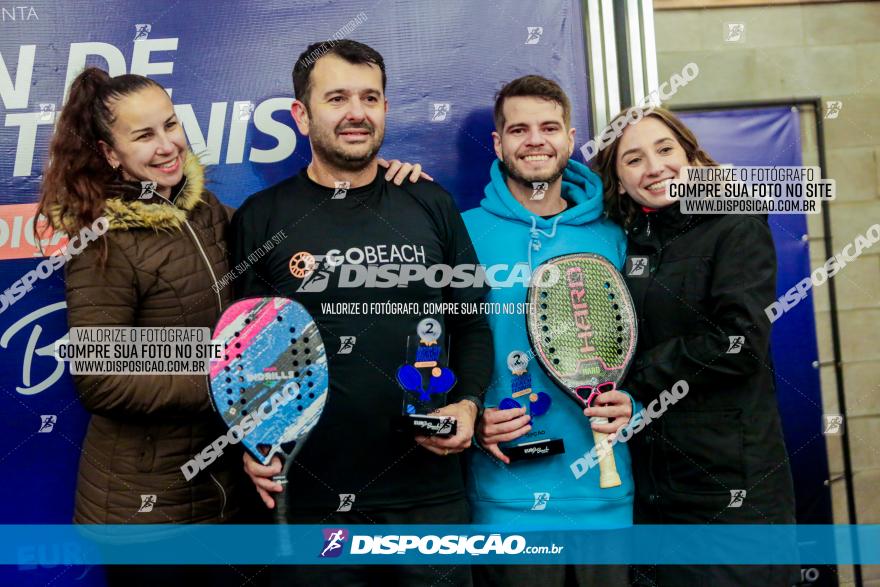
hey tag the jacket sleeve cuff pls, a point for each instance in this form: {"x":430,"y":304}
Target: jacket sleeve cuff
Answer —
{"x":464,"y":391}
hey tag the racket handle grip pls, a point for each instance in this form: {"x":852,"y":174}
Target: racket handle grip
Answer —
{"x":608,"y":475}
{"x":284,"y":547}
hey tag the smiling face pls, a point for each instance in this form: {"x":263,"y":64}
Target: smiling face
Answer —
{"x":148,"y":141}
{"x":534,"y":143}
{"x":648,"y":157}
{"x":345,"y":121}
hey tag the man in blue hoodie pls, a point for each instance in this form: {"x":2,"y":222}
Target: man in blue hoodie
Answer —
{"x":540,"y":204}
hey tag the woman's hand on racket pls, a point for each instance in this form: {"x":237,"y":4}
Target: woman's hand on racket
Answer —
{"x":262,"y":475}
{"x":399,"y":170}
{"x":614,"y":405}
{"x":502,"y":426}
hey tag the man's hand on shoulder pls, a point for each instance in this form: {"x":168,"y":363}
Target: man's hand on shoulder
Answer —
{"x":398,"y":171}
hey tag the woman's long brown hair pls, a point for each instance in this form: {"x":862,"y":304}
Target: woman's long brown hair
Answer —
{"x":620,"y":207}
{"x":77,"y":176}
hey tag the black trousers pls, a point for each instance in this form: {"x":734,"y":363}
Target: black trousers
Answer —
{"x":455,"y":512}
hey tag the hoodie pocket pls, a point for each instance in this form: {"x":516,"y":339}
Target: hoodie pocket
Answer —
{"x":703,"y":452}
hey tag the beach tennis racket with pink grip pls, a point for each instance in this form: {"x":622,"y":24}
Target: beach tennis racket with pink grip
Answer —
{"x":271,"y":381}
{"x":582,"y":328}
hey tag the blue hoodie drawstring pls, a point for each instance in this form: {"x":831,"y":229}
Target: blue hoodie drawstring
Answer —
{"x":534,"y":241}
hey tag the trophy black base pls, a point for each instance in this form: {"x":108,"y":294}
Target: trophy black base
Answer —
{"x":424,"y":425}
{"x":534,"y":450}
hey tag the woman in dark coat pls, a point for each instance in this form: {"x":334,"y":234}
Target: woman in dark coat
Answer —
{"x":717,"y":455}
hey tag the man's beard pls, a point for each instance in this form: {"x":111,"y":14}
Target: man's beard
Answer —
{"x":548,"y":177}
{"x":324,"y":144}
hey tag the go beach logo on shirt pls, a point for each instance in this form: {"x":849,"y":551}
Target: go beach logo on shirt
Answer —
{"x":387,"y":266}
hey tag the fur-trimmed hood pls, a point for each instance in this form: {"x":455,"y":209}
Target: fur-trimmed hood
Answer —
{"x":129,"y":211}
{"x":126,"y":210}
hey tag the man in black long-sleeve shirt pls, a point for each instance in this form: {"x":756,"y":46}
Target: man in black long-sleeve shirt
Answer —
{"x":339,"y":218}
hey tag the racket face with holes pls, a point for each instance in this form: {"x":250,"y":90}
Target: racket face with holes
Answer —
{"x":273,"y":363}
{"x":583,"y":328}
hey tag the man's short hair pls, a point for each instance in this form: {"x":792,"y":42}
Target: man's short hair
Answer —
{"x":532,"y":86}
{"x":352,"y":51}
